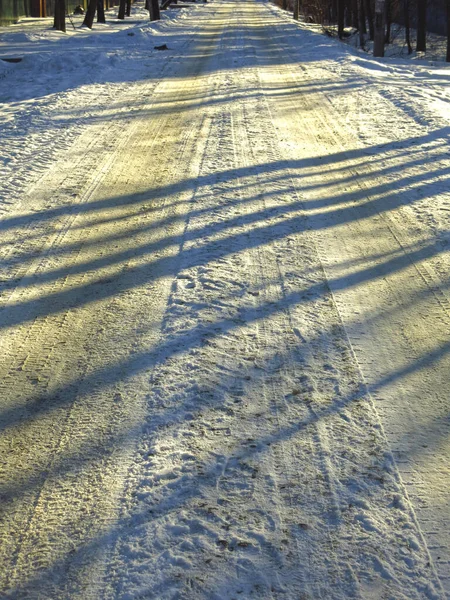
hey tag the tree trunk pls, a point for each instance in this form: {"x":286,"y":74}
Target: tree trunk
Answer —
{"x":341,"y":11}
{"x":448,"y":31}
{"x":154,"y":10}
{"x":407,"y":29}
{"x":128,"y":8}
{"x":362,"y":24}
{"x":379,"y":35}
{"x":59,"y":21}
{"x":370,"y":20}
{"x":355,"y":14}
{"x":284,"y":4}
{"x":90,"y":13}
{"x":56,"y":17}
{"x":121,"y":14}
{"x":421,"y":25}
{"x":387,"y":38}
{"x":362,"y":17}
{"x":348,"y":13}
{"x":297,"y":9}
{"x":333,"y":11}
{"x":100,"y":12}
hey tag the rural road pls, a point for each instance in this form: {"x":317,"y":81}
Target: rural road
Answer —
{"x":225,"y":336}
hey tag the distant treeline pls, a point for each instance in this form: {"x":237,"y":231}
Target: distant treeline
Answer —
{"x":325,"y":12}
{"x":11,"y":10}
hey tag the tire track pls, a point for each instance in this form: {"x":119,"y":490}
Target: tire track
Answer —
{"x":261,"y":453}
{"x":46,"y":546}
{"x":391,"y":308}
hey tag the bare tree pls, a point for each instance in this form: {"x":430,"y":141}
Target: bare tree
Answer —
{"x":448,"y":31}
{"x":354,"y":14}
{"x":421,"y":45}
{"x":59,"y":21}
{"x":121,"y":14}
{"x":100,"y":12}
{"x":155,"y":14}
{"x":362,"y":16}
{"x":369,"y":14}
{"x":407,"y":25}
{"x":90,"y":13}
{"x":388,"y":16}
{"x":379,"y":34}
{"x":362,"y":23}
{"x":341,"y":16}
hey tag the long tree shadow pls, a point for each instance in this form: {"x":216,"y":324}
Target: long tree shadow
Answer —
{"x":113,"y":373}
{"x":183,"y":342}
{"x":339,"y":208}
{"x":219,"y":240}
{"x":193,"y":489}
{"x":279,"y":171}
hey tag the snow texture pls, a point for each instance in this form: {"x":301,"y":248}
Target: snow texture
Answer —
{"x":225,"y":312}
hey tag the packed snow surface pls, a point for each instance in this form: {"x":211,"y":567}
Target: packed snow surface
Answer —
{"x":225,"y":312}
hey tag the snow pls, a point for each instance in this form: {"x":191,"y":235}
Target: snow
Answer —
{"x":64,"y":77}
{"x":225,"y":312}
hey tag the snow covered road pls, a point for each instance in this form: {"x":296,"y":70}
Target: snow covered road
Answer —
{"x":225,"y":321}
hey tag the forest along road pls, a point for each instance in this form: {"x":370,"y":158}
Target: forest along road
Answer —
{"x":225,"y":346}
